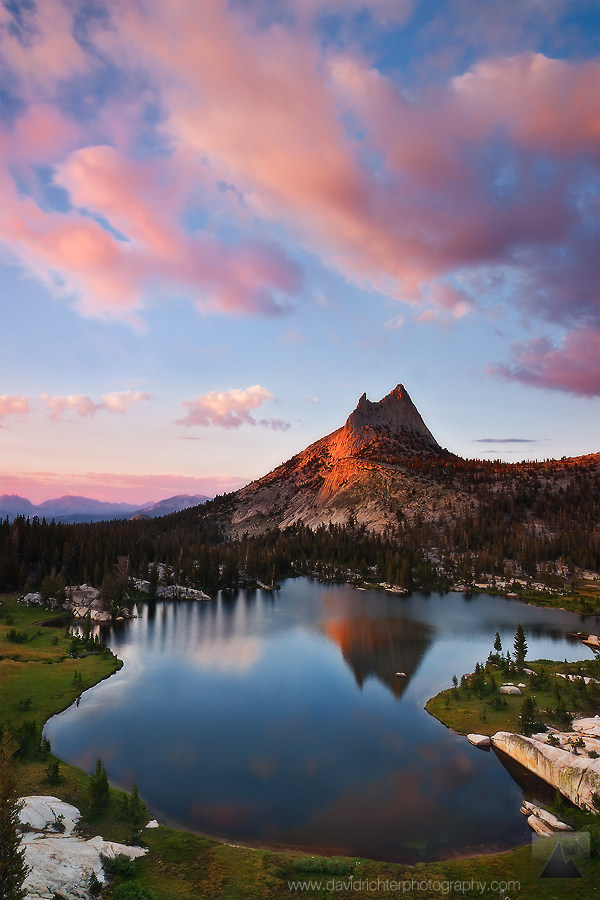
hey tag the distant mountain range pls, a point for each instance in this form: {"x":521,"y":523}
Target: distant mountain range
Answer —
{"x":85,"y":509}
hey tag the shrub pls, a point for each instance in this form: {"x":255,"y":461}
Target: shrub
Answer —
{"x":133,"y":890}
{"x":121,"y":866}
{"x":53,"y":772}
{"x":322,"y":864}
{"x":16,"y":637}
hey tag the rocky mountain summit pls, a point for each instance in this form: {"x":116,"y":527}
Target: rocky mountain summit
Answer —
{"x":394,"y":419}
{"x":367,"y":470}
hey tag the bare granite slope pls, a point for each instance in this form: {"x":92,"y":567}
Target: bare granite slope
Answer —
{"x":360,"y":471}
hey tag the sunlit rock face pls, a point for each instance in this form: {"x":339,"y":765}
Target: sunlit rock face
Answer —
{"x":363,"y":471}
{"x":577,"y":777}
{"x":392,"y":423}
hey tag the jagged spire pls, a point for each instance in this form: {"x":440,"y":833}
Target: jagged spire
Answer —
{"x":395,"y":412}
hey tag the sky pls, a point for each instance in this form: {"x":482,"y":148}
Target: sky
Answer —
{"x":222,"y":222}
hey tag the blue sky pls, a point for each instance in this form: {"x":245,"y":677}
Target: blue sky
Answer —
{"x":222,"y":222}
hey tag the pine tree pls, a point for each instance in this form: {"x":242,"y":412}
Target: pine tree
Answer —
{"x":13,"y":870}
{"x":98,"y":791}
{"x":520,"y":647}
{"x":137,"y":809}
{"x":498,"y":644}
{"x":528,"y":715}
{"x":153,"y":578}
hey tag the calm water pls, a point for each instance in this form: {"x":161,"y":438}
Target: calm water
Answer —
{"x":278,"y":719}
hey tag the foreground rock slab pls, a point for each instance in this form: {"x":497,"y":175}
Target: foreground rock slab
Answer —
{"x":576,"y":777}
{"x":541,"y":820}
{"x":60,"y":862}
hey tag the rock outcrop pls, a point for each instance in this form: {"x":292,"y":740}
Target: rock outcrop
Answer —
{"x":542,"y":821}
{"x":60,"y":862}
{"x":576,"y":776}
{"x":170,"y":591}
{"x":479,"y":740}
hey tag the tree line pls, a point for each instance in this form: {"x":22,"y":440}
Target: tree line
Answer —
{"x":534,"y":516}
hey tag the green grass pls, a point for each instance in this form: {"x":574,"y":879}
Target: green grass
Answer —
{"x":582,"y":596}
{"x":37,"y":676}
{"x":464,"y":711}
{"x":184,"y":866}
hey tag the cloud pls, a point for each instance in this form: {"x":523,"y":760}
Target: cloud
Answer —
{"x":230,"y":409}
{"x":274,"y":424}
{"x":397,"y":321}
{"x":39,"y":47}
{"x":261,"y":126}
{"x":125,"y":230}
{"x":571,"y":367}
{"x":505,"y":441}
{"x":80,"y":404}
{"x":84,"y":406}
{"x":122,"y":401}
{"x":13,"y":406}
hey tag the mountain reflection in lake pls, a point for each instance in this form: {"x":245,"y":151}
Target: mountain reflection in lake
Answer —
{"x":278,"y":718}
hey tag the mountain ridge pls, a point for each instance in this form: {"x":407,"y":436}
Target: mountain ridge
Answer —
{"x":73,"y":508}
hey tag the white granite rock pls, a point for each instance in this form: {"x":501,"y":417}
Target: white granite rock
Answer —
{"x":539,"y":815}
{"x":539,"y":826}
{"x":61,"y":863}
{"x":42,"y":812}
{"x":509,"y":689}
{"x":551,"y":820}
{"x":576,"y":776}
{"x":590,"y":726}
{"x":479,"y":740}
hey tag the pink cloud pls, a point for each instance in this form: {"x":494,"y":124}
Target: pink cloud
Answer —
{"x":572,"y":367}
{"x":13,"y":406}
{"x":399,"y":192}
{"x":122,"y":401}
{"x":545,"y":104}
{"x":42,"y":134}
{"x":145,"y":202}
{"x":436,"y":150}
{"x":230,"y":409}
{"x":82,"y":405}
{"x":41,"y":51}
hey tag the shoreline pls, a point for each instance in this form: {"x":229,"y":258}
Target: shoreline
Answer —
{"x":457,"y":861}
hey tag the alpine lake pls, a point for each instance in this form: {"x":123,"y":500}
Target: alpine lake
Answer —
{"x":277,"y":718}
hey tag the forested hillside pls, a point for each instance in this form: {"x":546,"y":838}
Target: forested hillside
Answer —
{"x":538,"y":519}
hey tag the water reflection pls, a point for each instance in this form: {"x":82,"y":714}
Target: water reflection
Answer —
{"x":279,"y":719}
{"x":381,"y":648}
